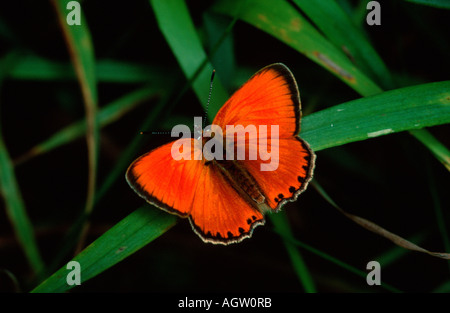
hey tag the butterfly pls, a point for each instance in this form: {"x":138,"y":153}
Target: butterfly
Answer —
{"x":226,"y":199}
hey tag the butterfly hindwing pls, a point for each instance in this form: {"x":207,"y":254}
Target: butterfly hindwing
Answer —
{"x":295,"y":166}
{"x":219,"y":213}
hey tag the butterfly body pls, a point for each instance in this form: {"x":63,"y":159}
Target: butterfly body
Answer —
{"x":241,"y":179}
{"x":225,"y":194}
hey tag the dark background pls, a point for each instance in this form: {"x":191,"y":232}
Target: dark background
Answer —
{"x":386,"y":180}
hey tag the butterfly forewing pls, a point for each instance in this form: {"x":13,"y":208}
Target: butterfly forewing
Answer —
{"x":270,"y":97}
{"x":167,"y":183}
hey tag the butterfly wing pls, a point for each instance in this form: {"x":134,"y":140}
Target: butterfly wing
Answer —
{"x":165,"y":182}
{"x":191,"y":188}
{"x":271,"y":98}
{"x":219,"y":213}
{"x":295,"y":167}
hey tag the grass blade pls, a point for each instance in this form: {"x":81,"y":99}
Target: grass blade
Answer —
{"x":435,"y":146}
{"x":440,"y":217}
{"x":33,"y":67}
{"x":117,"y":172}
{"x":221,"y":49}
{"x":395,"y":253}
{"x":441,"y":4}
{"x":332,"y":20}
{"x":129,"y":153}
{"x":443,"y":288}
{"x":282,"y":227}
{"x":399,"y":241}
{"x":15,"y":209}
{"x":334,"y":260}
{"x":289,"y":26}
{"x":392,"y":111}
{"x":126,"y":237}
{"x":177,"y":27}
{"x":106,"y":115}
{"x":10,"y":191}
{"x":81,"y":50}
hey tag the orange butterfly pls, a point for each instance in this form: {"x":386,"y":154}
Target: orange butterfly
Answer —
{"x":224,"y":200}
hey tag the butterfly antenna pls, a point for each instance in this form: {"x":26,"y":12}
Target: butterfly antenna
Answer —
{"x":154,"y":133}
{"x":204,"y":120}
{"x":209,"y":96}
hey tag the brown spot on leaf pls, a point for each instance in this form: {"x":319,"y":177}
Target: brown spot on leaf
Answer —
{"x":333,"y":66}
{"x":296,"y":24}
{"x":262,"y":17}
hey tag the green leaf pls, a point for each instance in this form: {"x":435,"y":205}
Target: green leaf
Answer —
{"x":79,"y":42}
{"x":438,"y":210}
{"x":282,"y":227}
{"x":337,"y":26}
{"x":10,"y":191}
{"x":435,"y":146}
{"x":15,"y":209}
{"x":443,"y":288}
{"x":126,"y":237}
{"x":285,"y":23}
{"x":442,"y":4}
{"x":289,"y":26}
{"x":329,"y":258}
{"x":365,"y":223}
{"x":221,"y":49}
{"x":389,"y":112}
{"x":106,"y":115}
{"x":33,"y":67}
{"x":129,"y":153}
{"x":177,"y":27}
{"x":126,"y":157}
